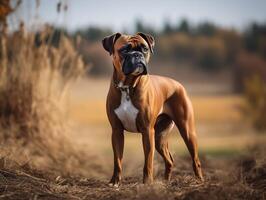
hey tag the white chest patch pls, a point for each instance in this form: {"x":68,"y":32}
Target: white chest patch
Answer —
{"x":127,"y":113}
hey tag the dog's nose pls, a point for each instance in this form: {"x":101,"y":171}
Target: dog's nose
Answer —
{"x":137,"y":54}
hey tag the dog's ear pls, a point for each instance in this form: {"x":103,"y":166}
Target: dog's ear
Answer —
{"x":149,"y":39}
{"x":109,"y":41}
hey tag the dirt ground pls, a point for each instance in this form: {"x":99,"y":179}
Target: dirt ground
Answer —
{"x":239,"y":178}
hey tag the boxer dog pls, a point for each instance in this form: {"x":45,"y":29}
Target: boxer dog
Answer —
{"x":148,"y":104}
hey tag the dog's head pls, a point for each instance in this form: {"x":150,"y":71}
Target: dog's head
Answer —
{"x":130,"y":53}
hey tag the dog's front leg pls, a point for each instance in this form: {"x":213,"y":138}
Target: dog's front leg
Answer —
{"x":118,"y":148}
{"x":148,"y":147}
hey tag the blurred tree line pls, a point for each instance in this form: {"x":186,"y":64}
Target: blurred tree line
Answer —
{"x":204,"y":46}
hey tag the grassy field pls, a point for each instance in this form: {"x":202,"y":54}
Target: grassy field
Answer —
{"x":219,"y":122}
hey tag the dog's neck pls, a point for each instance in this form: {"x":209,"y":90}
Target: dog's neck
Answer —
{"x":125,"y":81}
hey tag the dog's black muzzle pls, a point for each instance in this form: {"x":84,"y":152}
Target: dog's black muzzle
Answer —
{"x":134,"y":63}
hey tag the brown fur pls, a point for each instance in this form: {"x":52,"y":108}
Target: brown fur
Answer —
{"x":161,"y":101}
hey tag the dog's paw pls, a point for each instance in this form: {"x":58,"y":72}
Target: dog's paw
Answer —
{"x":115,"y":185}
{"x":201,"y":178}
{"x":115,"y":182}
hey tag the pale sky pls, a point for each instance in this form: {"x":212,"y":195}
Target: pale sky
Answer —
{"x":121,"y":14}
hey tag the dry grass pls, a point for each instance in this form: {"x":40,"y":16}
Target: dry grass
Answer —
{"x":34,"y":80}
{"x":242,"y":178}
{"x":255,"y":96}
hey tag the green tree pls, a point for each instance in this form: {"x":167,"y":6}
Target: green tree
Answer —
{"x":255,"y":39}
{"x":206,"y":29}
{"x":94,"y":33}
{"x":140,"y":27}
{"x":167,"y":27}
{"x":184,"y":26}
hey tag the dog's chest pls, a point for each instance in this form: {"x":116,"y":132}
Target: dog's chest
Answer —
{"x":127,"y":113}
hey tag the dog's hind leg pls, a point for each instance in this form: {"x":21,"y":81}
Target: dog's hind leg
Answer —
{"x":162,"y":128}
{"x":183,"y":116}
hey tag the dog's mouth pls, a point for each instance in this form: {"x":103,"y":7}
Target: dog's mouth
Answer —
{"x":140,"y":69}
{"x":134,"y":69}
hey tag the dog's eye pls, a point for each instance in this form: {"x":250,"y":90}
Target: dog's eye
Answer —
{"x":145,"y":49}
{"x":124,"y":49}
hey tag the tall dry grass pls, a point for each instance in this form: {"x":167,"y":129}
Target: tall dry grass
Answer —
{"x":34,"y":81}
{"x":255,"y":107}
